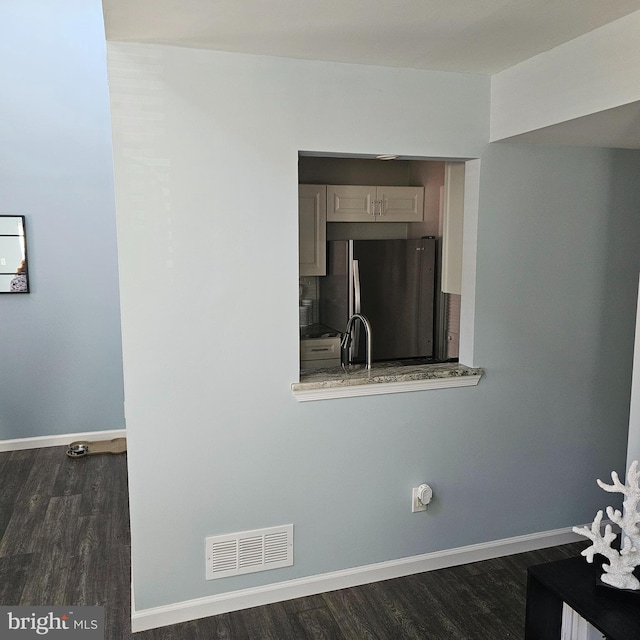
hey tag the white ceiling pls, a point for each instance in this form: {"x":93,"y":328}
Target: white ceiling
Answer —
{"x":474,"y":36}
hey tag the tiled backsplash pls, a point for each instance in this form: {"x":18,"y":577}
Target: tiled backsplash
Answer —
{"x":310,"y":291}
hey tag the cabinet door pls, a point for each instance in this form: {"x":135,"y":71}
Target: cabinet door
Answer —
{"x":348,"y":203}
{"x":319,"y":353}
{"x":400,"y":204}
{"x":312,"y":233}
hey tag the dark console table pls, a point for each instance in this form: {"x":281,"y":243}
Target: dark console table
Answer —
{"x":614,"y":613}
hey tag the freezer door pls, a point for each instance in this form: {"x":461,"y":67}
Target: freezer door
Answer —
{"x":397,"y":296}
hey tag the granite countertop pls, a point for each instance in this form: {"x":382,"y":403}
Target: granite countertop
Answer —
{"x":380,"y":373}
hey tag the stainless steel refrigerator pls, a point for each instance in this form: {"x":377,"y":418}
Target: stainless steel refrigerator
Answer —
{"x":391,"y":282}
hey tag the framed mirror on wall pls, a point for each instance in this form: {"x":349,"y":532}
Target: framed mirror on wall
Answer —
{"x":14,"y":271}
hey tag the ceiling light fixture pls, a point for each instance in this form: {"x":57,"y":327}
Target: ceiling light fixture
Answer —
{"x":386,"y":156}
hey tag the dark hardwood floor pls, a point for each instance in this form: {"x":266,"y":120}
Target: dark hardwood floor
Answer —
{"x":64,"y":527}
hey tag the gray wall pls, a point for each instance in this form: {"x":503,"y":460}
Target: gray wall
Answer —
{"x":557,"y":273}
{"x":61,"y":346}
{"x":208,"y":252}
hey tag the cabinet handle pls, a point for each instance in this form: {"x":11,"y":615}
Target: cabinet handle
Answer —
{"x":320,"y":349}
{"x":380,"y":207}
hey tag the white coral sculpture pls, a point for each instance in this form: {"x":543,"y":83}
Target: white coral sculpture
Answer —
{"x":619,"y":572}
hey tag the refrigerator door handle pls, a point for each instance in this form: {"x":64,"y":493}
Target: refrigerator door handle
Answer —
{"x":356,"y":287}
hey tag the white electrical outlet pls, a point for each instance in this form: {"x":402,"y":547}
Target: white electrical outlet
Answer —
{"x":416,"y":503}
{"x":420,"y":498}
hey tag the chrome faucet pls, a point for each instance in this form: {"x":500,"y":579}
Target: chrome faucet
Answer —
{"x":346,"y":336}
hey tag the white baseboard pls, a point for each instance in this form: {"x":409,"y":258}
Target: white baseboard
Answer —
{"x":59,"y":440}
{"x":268,"y":594}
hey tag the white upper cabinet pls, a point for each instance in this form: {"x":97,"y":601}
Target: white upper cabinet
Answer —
{"x":400,"y":204}
{"x":312,"y":218}
{"x":348,"y":203}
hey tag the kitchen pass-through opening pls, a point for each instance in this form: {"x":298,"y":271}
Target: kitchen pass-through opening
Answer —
{"x":383,"y":238}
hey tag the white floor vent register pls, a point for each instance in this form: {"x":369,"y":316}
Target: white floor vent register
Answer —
{"x":249,"y":551}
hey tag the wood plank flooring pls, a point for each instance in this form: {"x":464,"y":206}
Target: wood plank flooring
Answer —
{"x":64,"y":540}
